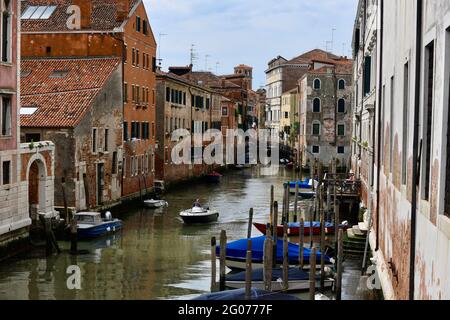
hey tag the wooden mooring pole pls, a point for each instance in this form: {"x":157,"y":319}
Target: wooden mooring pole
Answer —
{"x":248,"y":271}
{"x":213,"y":264}
{"x":271,"y":207}
{"x":312,"y":275}
{"x":268,"y":256}
{"x":340,"y":258}
{"x":285,"y":258}
{"x":301,"y":239}
{"x":322,"y":246}
{"x":223,"y":257}
{"x":73,"y":236}
{"x":296,"y":218}
{"x":275,"y":233}
{"x":250,"y":224}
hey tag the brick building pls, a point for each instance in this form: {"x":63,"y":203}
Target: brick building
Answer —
{"x":77,"y":104}
{"x":183,"y":104}
{"x":325,"y":116}
{"x":27,"y":172}
{"x":118,"y":28}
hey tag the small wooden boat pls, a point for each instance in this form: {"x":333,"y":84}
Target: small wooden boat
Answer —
{"x":236,"y":253}
{"x":154,"y":204}
{"x":91,"y":225}
{"x":239,"y":295}
{"x":214,"y":177}
{"x":294,"y":228}
{"x":298,"y":280}
{"x":199,"y":215}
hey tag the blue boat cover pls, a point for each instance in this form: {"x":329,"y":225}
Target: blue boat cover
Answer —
{"x":238,"y":250}
{"x":315,"y":224}
{"x":294,"y":274}
{"x":239,"y":294}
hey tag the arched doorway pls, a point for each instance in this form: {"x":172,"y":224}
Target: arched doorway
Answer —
{"x":36,"y":188}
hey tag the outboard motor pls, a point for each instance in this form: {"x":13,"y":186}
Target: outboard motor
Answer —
{"x":108,"y":216}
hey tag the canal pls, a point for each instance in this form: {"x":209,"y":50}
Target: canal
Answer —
{"x":155,"y":256}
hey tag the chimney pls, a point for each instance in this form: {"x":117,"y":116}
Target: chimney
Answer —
{"x":122,"y":9}
{"x":85,"y":11}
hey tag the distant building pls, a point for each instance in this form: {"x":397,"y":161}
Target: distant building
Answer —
{"x":261,"y":103}
{"x":118,"y":28}
{"x":26,"y":170}
{"x":325,"y":115}
{"x":77,"y":104}
{"x":289,"y":121}
{"x":183,"y":104}
{"x":402,"y":53}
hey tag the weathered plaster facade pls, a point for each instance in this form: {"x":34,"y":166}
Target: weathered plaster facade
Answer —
{"x":392,"y":235}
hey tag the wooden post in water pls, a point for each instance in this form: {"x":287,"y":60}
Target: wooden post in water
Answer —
{"x":336,"y":218}
{"x":73,"y":236}
{"x":288,"y":203}
{"x":322,"y":248}
{"x":312,"y":275}
{"x":296,"y":218}
{"x":213,"y":264}
{"x":271,"y":207}
{"x":223,"y":257}
{"x":301,"y":240}
{"x":340,"y":258}
{"x":86,"y":191}
{"x":285,"y":259}
{"x":250,"y":224}
{"x":283,"y":208}
{"x":268,"y":256}
{"x":66,"y":209}
{"x":248,"y":271}
{"x":275,"y":233}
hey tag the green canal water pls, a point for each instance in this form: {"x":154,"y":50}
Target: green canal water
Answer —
{"x":155,"y":256}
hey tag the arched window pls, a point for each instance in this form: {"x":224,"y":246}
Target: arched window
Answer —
{"x":317,"y":84}
{"x":341,"y":85}
{"x":6,"y":30}
{"x":316,"y":105}
{"x":341,"y":106}
{"x":316,"y":128}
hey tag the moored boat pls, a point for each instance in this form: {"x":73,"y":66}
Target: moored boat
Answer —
{"x":294,"y":228}
{"x":236,"y":253}
{"x":91,"y":225}
{"x":239,"y":295}
{"x":154,"y":204}
{"x":305,"y":188}
{"x":298,"y":280}
{"x":214,"y":177}
{"x":198,"y":215}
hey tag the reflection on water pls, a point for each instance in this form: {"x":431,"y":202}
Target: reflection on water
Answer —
{"x":155,"y":256}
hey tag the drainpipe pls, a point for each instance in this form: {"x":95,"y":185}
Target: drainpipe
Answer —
{"x":415,"y":173}
{"x":380,"y":102}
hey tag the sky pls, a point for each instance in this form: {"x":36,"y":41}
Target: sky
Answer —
{"x":253,"y":32}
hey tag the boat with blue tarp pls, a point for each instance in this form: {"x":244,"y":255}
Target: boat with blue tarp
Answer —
{"x":91,"y":225}
{"x":239,"y":295}
{"x":305,"y":188}
{"x":236,"y":253}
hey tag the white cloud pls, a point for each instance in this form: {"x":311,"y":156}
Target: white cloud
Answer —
{"x":251,"y":31}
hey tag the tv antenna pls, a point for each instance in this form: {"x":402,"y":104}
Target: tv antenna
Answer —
{"x":194,"y":56}
{"x":207,"y":56}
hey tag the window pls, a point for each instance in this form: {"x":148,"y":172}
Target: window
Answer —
{"x":340,"y":150}
{"x":286,"y":115}
{"x":392,"y":123}
{"x":184,"y":98}
{"x":315,"y":149}
{"x":317,"y":84}
{"x":341,"y":106}
{"x":138,"y":24}
{"x":106,"y":147}
{"x":341,"y":130}
{"x":144,"y":61}
{"x":316,"y":105}
{"x":154,"y":64}
{"x":124,"y":167}
{"x":5,"y":30}
{"x":428,"y":114}
{"x":125,"y":92}
{"x":144,"y":27}
{"x":6,"y":170}
{"x":224,"y":111}
{"x":32,"y":137}
{"x":405,"y":120}
{"x":367,"y":74}
{"x":5,"y":115}
{"x":167,"y":94}
{"x":125,"y":131}
{"x":94,"y":140}
{"x":341,"y":84}
{"x":153,"y":130}
{"x":316,"y":129}
{"x":114,"y":163}
{"x":208,"y":103}
{"x":137,"y":58}
{"x":153,"y":97}
{"x":133,"y":56}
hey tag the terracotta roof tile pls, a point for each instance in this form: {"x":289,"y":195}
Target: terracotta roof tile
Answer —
{"x":62,"y":101}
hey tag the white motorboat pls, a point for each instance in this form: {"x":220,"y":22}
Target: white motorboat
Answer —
{"x":199,"y":215}
{"x":154,"y":204}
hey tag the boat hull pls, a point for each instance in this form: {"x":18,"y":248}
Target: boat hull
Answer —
{"x":99,"y":230}
{"x":295,"y":231}
{"x":201,"y":219}
{"x":294,"y":285}
{"x":240,"y":264}
{"x":154,"y":205}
